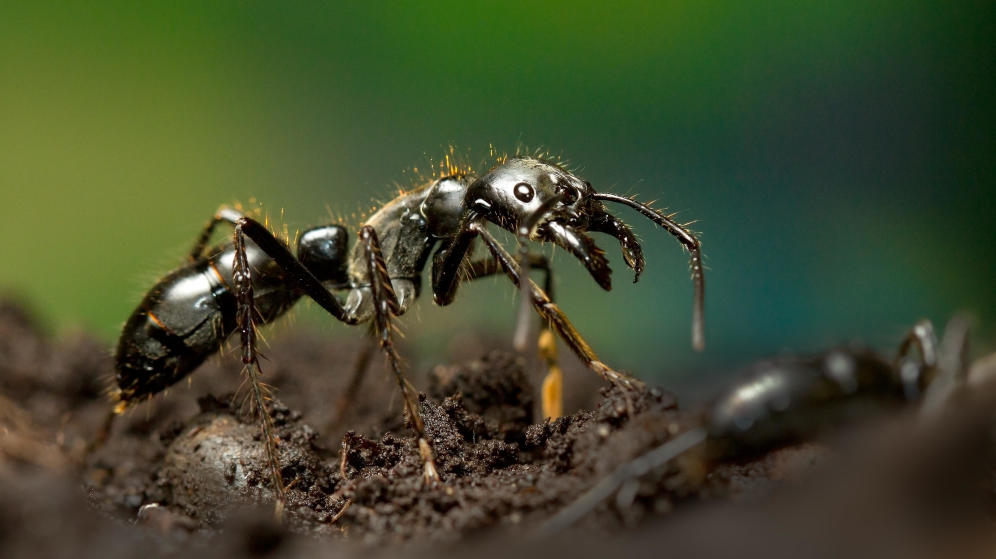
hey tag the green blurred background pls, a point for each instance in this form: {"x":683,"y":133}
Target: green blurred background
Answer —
{"x":838,"y":156}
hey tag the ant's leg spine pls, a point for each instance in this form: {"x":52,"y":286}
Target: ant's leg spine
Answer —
{"x":385,"y":305}
{"x":260,"y":393}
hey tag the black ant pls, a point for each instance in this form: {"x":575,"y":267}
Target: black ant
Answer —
{"x":254,"y":279}
{"x":793,"y":399}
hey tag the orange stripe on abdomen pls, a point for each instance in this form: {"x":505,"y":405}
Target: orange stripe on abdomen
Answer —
{"x":155,"y":320}
{"x":218,"y":275}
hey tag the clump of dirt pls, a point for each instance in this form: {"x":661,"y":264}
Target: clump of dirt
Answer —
{"x":196,"y":461}
{"x":498,"y":468}
{"x":187,"y":471}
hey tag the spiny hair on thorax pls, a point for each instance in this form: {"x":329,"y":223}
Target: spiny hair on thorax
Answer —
{"x":451,"y":163}
{"x":460,"y":163}
{"x":543,"y":155}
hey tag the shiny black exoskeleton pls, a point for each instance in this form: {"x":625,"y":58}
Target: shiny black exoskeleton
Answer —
{"x":251,"y":281}
{"x":185,"y":317}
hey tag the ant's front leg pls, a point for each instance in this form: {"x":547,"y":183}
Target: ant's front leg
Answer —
{"x":445,"y":275}
{"x":449,"y":267}
{"x":553,"y":383}
{"x":552,"y":313}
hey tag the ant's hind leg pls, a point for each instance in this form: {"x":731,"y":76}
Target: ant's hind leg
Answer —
{"x":224,"y":214}
{"x":102,"y":434}
{"x":385,"y":304}
{"x":297,"y":276}
{"x":347,"y":398}
{"x":260,"y":393}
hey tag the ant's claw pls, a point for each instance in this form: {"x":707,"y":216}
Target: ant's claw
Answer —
{"x":617,"y":378}
{"x":430,"y":473}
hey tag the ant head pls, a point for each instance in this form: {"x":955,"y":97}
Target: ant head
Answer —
{"x":529,"y":192}
{"x":542,"y":201}
{"x":324,"y":251}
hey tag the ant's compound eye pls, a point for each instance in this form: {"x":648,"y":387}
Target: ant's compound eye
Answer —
{"x":523,"y":192}
{"x":568,"y":194}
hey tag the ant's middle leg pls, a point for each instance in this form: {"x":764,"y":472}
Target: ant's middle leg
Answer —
{"x":552,"y":314}
{"x":385,"y":304}
{"x":553,"y":383}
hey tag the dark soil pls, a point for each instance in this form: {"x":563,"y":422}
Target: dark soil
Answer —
{"x":185,"y":473}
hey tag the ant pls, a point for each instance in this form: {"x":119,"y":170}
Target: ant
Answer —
{"x":793,"y":399}
{"x":256,"y":277}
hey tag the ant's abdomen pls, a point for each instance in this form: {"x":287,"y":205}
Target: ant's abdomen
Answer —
{"x":181,"y":322}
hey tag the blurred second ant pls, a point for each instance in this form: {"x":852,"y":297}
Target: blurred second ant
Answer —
{"x":794,"y":399}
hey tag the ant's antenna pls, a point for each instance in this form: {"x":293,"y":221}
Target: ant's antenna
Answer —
{"x":690,"y":242}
